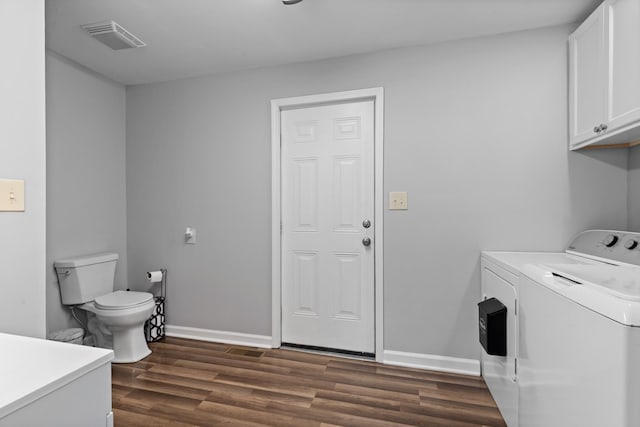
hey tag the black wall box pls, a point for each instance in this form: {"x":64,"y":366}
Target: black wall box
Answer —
{"x":492,"y":324}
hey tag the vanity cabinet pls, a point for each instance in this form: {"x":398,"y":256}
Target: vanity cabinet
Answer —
{"x":604,"y":77}
{"x":50,"y":383}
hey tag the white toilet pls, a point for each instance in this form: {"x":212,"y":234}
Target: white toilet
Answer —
{"x":88,"y":282}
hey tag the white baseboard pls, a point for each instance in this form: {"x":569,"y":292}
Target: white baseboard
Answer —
{"x":432,"y":362}
{"x":236,"y":338}
{"x":397,"y":358}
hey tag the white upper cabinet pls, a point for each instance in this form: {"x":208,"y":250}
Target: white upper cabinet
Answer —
{"x":587,"y":81}
{"x":624,"y":62}
{"x":604,"y":77}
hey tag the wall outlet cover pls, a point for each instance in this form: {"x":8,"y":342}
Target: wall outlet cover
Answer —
{"x":190,"y":236}
{"x":398,"y":200}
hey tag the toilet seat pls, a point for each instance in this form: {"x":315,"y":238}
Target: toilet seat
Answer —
{"x":120,"y":300}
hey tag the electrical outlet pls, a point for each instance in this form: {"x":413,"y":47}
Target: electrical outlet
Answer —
{"x":398,"y":200}
{"x":190,"y":236}
{"x":11,"y":195}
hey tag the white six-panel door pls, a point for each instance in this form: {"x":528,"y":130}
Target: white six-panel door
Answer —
{"x":327,"y":187}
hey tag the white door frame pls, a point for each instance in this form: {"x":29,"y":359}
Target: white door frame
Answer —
{"x":277,"y":106}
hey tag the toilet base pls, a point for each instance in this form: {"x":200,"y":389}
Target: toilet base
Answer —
{"x":129,"y":345}
{"x":126,"y":328}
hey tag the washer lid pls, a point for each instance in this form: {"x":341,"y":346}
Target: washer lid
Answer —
{"x":612,"y":291}
{"x":122,"y":299}
{"x":620,"y":281}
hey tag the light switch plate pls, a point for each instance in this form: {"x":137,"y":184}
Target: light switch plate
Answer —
{"x":398,"y":200}
{"x":11,"y":195}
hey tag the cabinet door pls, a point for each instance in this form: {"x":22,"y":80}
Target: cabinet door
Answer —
{"x":587,"y":78}
{"x":623,"y":20}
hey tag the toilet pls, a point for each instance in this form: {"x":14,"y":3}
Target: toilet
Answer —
{"x":87,"y":283}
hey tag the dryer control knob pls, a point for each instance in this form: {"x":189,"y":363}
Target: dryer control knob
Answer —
{"x":631,"y":244}
{"x":610,"y":240}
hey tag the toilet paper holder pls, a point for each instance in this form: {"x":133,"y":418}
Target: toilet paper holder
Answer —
{"x":154,"y":327}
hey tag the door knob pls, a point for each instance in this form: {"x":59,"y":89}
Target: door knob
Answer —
{"x":366,"y":241}
{"x":366,"y":223}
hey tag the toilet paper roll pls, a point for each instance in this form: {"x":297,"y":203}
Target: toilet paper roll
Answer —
{"x":154,"y":276}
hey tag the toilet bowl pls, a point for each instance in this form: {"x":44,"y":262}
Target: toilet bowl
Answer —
{"x":87,"y":283}
{"x":124,"y":314}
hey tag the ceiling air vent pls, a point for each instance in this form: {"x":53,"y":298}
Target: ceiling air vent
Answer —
{"x":113,"y":35}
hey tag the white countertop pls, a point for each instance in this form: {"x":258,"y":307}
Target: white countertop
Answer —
{"x":31,"y":368}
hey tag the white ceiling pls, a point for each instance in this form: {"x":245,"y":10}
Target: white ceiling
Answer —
{"x":187,"y":38}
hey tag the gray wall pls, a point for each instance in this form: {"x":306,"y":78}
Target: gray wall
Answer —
{"x":22,"y":156}
{"x":86,"y":191}
{"x":634,"y":189}
{"x":475,"y":131}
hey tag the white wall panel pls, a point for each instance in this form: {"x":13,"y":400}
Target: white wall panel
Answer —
{"x":22,"y":156}
{"x":86,"y":190}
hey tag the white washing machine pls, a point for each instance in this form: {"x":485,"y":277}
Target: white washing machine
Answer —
{"x":579,"y":336}
{"x":502,"y":278}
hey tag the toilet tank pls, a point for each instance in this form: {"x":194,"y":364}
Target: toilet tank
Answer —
{"x":84,"y":278}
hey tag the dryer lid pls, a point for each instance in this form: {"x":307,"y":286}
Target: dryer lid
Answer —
{"x":122,"y":299}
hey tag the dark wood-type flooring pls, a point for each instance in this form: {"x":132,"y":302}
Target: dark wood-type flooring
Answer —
{"x":195,"y":383}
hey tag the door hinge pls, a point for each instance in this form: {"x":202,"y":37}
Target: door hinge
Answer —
{"x":516,"y":308}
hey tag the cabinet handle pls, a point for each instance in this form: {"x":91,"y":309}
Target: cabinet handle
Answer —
{"x":601,"y":128}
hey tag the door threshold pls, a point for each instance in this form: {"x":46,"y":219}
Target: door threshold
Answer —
{"x":348,"y":354}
